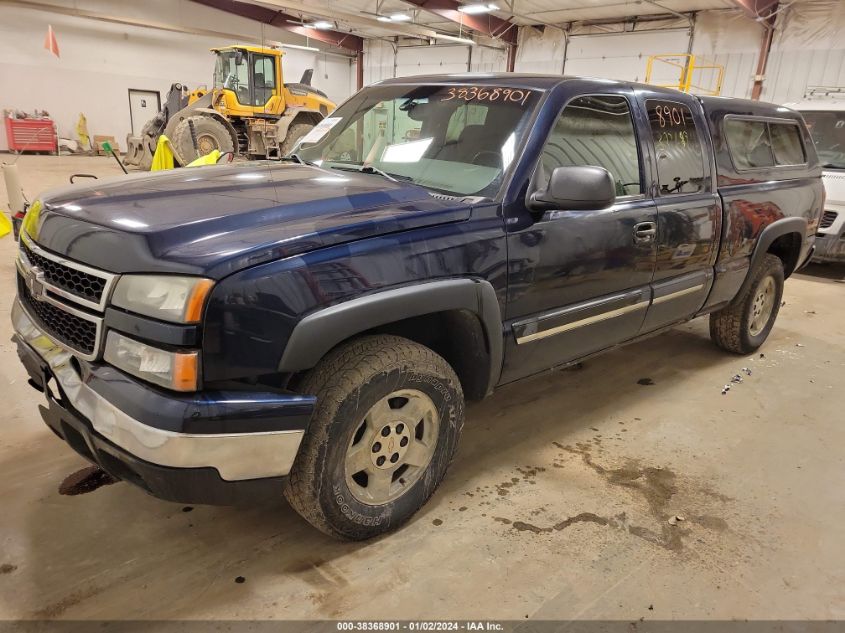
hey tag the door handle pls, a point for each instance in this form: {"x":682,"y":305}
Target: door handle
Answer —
{"x":645,"y":232}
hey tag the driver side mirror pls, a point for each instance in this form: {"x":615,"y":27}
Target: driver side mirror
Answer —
{"x":575,"y":187}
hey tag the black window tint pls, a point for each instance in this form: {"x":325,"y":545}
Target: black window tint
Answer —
{"x":748,"y":142}
{"x":786,"y":144}
{"x":597,"y":131}
{"x":680,"y":160}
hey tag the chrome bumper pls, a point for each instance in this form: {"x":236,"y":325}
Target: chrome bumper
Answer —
{"x":236,"y":457}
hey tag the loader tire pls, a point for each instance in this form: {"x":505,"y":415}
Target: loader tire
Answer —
{"x":295,"y":132}
{"x":211,"y":135}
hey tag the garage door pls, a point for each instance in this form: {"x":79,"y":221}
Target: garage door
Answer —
{"x":622,"y":56}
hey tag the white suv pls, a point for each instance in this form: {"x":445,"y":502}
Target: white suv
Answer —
{"x":824,"y":111}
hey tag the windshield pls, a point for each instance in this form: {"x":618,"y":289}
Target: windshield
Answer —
{"x":455,"y":139}
{"x":828,"y":131}
{"x":231,"y":71}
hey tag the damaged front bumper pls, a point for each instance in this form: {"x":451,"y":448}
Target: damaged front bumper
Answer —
{"x":216,"y":447}
{"x":830,"y":247}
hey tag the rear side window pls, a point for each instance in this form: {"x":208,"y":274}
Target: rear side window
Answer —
{"x":680,"y":159}
{"x":754,"y":144}
{"x":749,"y":144}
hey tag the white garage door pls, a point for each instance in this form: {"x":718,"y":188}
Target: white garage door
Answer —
{"x":622,"y":56}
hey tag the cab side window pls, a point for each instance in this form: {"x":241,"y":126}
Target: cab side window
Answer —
{"x":597,"y":131}
{"x":264,"y":79}
{"x":680,"y":158}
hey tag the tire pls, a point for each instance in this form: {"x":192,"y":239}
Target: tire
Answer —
{"x":744,"y":325}
{"x":211,"y":135}
{"x":353,"y":384}
{"x":295,"y":132}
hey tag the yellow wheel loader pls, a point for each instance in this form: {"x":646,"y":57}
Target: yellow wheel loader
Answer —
{"x":249,"y":111}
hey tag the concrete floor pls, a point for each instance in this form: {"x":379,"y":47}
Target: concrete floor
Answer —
{"x":556,"y":506}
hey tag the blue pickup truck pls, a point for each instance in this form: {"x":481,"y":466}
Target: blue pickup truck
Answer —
{"x":312,"y":326}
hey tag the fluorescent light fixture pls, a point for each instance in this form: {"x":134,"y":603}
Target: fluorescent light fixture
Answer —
{"x":481,"y":7}
{"x":321,"y":25}
{"x":301,"y":48}
{"x":452,"y":38}
{"x":396,"y":17}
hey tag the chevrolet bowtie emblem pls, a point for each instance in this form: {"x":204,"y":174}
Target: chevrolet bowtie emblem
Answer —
{"x":35,"y":283}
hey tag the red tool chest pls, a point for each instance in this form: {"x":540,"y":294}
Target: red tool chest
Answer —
{"x":31,"y":135}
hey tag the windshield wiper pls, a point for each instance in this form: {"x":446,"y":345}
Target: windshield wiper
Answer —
{"x":296,"y":158}
{"x":369,"y":169}
{"x":832,"y":166}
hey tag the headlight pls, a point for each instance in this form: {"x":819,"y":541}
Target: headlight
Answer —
{"x":174,"y":370}
{"x":165,"y":297}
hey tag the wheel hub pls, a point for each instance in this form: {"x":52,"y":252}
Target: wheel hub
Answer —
{"x":762,"y":306}
{"x":389,"y":445}
{"x":392,"y":447}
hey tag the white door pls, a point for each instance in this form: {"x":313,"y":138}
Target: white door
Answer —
{"x":143,"y":106}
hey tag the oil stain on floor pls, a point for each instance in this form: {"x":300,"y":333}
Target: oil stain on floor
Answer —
{"x":656,"y":486}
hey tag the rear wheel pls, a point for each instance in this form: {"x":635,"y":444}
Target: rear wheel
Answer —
{"x":745,"y":324}
{"x":211,"y":134}
{"x":388,"y":418}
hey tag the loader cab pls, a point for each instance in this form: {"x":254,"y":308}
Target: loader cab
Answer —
{"x":248,"y":80}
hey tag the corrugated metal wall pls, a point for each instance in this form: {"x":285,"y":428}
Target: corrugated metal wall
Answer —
{"x":808,"y":49}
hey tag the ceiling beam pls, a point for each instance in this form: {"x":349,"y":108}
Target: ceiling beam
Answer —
{"x":486,"y":23}
{"x":286,"y":21}
{"x":333,"y":14}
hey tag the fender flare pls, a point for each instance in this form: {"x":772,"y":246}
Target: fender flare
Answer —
{"x":322,"y":330}
{"x":776,"y":229}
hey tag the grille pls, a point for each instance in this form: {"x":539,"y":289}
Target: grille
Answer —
{"x":67,"y":328}
{"x":74,"y":281}
{"x":828,"y":218}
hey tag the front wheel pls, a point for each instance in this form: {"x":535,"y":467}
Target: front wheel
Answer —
{"x":744,"y":325}
{"x":388,"y":418}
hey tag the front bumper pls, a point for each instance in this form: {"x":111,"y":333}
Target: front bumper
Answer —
{"x":830,"y":247}
{"x":211,"y":447}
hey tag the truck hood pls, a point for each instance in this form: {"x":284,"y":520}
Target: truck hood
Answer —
{"x":834,"y":184}
{"x":216,"y":220}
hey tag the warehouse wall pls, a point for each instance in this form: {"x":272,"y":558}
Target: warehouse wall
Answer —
{"x":807,"y":50}
{"x":101,"y":61}
{"x":382,"y":60}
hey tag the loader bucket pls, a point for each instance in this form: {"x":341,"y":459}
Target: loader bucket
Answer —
{"x":139,"y":151}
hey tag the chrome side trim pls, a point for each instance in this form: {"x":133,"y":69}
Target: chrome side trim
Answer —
{"x":640,"y":305}
{"x":235,"y":456}
{"x":109,"y":278}
{"x":97,"y":321}
{"x":677,"y":294}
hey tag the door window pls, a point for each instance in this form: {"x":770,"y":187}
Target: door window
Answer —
{"x":263,"y":78}
{"x":680,"y":159}
{"x":597,"y":131}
